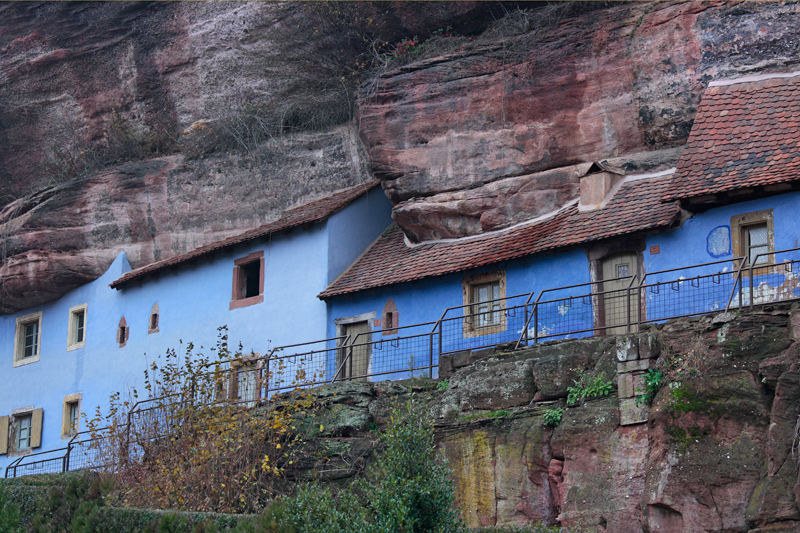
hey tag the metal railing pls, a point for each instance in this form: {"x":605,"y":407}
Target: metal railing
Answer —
{"x":391,"y":356}
{"x":612,"y":306}
{"x":80,"y":452}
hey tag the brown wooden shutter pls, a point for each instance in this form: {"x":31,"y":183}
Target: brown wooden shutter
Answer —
{"x":3,"y":435}
{"x":36,"y":428}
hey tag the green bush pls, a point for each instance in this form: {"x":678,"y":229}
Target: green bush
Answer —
{"x":586,"y":389}
{"x":316,"y":510}
{"x":410,"y":492}
{"x":9,"y":514}
{"x":413,"y":493}
{"x":75,"y":502}
{"x":552,"y":417}
{"x":68,"y":507}
{"x":653,"y":380}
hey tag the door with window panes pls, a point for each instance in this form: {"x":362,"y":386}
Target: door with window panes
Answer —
{"x":620,"y":305}
{"x":247,"y":385}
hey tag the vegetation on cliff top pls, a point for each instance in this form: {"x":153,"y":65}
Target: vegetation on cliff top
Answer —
{"x":409,"y":491}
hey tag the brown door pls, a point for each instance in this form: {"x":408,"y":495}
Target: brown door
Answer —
{"x":616,"y":301}
{"x":357,"y":364}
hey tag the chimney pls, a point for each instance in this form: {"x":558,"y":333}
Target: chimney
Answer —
{"x":597,"y":184}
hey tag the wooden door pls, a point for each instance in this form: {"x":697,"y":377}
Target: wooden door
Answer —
{"x":357,"y":365}
{"x":615,"y":293}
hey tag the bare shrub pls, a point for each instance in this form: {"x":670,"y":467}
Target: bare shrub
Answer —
{"x":122,"y":142}
{"x":692,"y":362}
{"x":201,"y":441}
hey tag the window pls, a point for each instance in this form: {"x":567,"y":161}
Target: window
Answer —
{"x":122,"y":332}
{"x":71,"y":417}
{"x":76,"y":333}
{"x":21,"y":432}
{"x":391,"y":319}
{"x":24,"y":433}
{"x":484,"y":304}
{"x":753,"y":237}
{"x":248,"y":280}
{"x":244,"y":382}
{"x":28,"y":339}
{"x":152,"y":323}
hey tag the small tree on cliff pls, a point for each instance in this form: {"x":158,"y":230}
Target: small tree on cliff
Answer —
{"x":412,"y":492}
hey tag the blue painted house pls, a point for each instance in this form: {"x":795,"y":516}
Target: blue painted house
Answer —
{"x":716,"y":232}
{"x":632,"y":249}
{"x":66,"y":357}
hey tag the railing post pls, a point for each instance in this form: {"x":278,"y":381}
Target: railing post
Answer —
{"x":66,"y":457}
{"x":740,"y":289}
{"x":639,"y":306}
{"x":430,"y":355}
{"x":536,"y":321}
{"x":628,"y":311}
{"x":525,"y":324}
{"x":440,"y":338}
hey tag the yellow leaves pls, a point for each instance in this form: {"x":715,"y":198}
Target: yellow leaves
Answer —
{"x":202,"y":439}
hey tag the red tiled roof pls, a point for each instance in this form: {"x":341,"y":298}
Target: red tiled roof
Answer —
{"x":309,"y":213}
{"x":744,"y":135}
{"x":635,"y":207}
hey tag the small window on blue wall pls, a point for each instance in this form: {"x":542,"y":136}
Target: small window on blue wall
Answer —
{"x":248,"y":280}
{"x":76,"y":332}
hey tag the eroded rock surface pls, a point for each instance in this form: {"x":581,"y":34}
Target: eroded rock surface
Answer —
{"x":69,"y":234}
{"x":476,"y":139}
{"x":715,"y":455}
{"x":616,"y":82}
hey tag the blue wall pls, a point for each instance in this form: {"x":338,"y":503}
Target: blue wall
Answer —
{"x":426,"y":300}
{"x":706,"y":238}
{"x":701,"y":239}
{"x":95,"y":370}
{"x":353,"y":229}
{"x":194,"y":301}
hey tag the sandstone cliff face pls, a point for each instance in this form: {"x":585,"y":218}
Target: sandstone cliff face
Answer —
{"x":715,"y":456}
{"x":65,"y":69}
{"x":98,"y":84}
{"x":479,"y":138}
{"x":613,"y":83}
{"x":68,"y":234}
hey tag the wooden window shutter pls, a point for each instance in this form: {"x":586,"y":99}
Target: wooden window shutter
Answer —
{"x":36,"y":428}
{"x":3,"y":435}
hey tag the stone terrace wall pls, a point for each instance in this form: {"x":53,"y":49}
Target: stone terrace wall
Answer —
{"x":714,"y":455}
